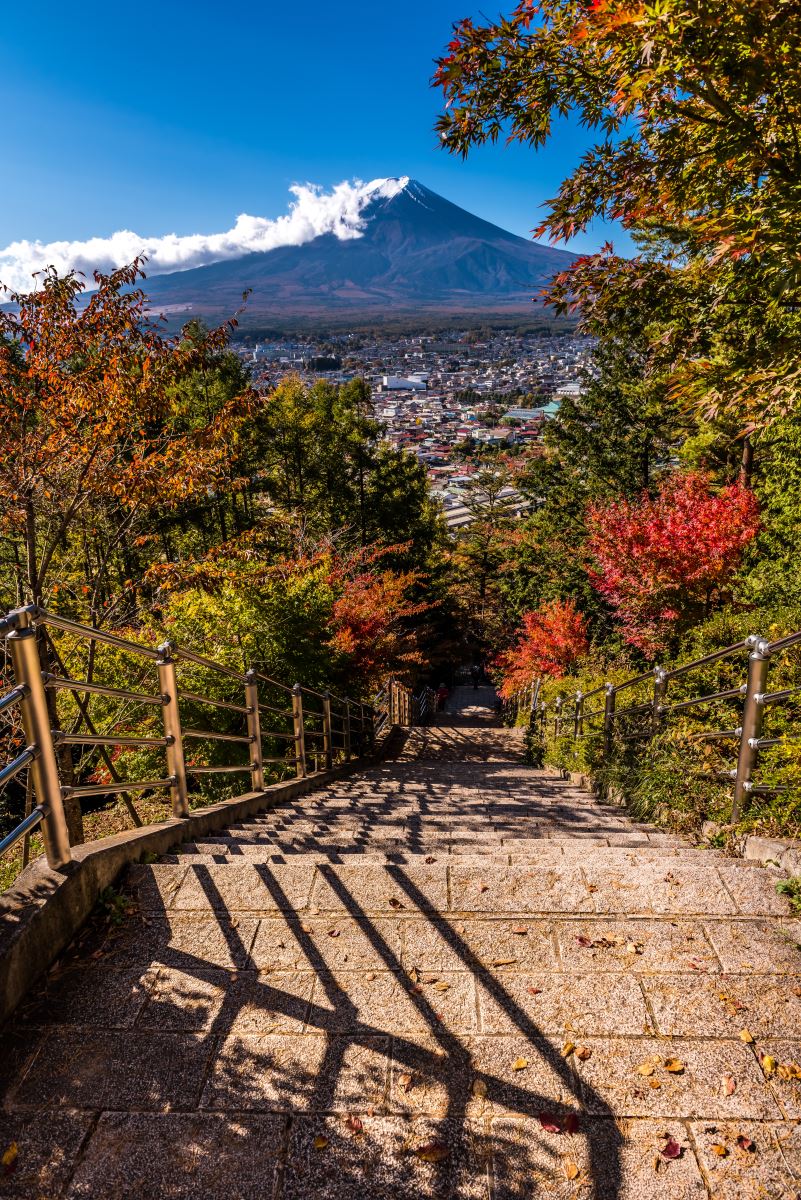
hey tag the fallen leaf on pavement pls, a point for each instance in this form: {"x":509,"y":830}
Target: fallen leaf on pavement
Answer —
{"x":432,"y":1152}
{"x":395,"y":903}
{"x":532,"y":991}
{"x":571,"y":1170}
{"x":583,"y":1052}
{"x":567,"y":1049}
{"x":549,"y":1122}
{"x":729,"y":1085}
{"x":320,"y":1142}
{"x":521,"y":929}
{"x":10,"y":1158}
{"x":405,"y":1081}
{"x":479,"y":1088}
{"x":441,"y":986}
{"x":674,"y":1065}
{"x":430,"y":858}
{"x":671,"y":1149}
{"x":646,"y":1068}
{"x":719,"y":1149}
{"x":503,"y":962}
{"x":745,"y":1143}
{"x":746,"y":1037}
{"x":333,"y":933}
{"x":520,"y":1064}
{"x":354,"y":1124}
{"x":769,"y":1064}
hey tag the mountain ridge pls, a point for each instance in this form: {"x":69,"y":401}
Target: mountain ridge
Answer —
{"x":413,"y":251}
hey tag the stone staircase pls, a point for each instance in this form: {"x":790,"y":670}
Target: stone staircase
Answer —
{"x":450,"y":975}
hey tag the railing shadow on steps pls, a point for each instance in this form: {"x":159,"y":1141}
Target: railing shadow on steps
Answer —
{"x":642,"y":720}
{"x":171,"y":719}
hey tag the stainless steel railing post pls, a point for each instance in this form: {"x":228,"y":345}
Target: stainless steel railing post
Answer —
{"x":751,"y":726}
{"x":578,"y":716}
{"x":300,"y":733}
{"x":660,"y":690}
{"x":328,"y":745}
{"x":347,"y":730}
{"x":609,"y":719}
{"x":254,"y":731}
{"x":24,"y":649}
{"x":176,"y":764}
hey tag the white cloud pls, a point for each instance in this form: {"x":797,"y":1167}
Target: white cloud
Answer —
{"x":311,"y":213}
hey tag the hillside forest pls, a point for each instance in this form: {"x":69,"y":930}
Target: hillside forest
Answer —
{"x":148,"y":488}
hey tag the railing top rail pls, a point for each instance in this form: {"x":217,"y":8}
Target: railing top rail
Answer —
{"x":594,"y":692}
{"x":96,"y":635}
{"x":716,"y":656}
{"x":627,"y":683}
{"x":784,"y":643}
{"x":179,"y":652}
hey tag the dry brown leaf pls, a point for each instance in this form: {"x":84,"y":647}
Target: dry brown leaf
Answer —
{"x":320,"y":1142}
{"x":354,"y":1124}
{"x":432,"y":1152}
{"x":483,"y":887}
{"x":567,"y":1049}
{"x":747,"y":1037}
{"x":441,"y":986}
{"x":522,"y":930}
{"x":479,"y":1088}
{"x":405,"y":1081}
{"x":769,"y":1064}
{"x":333,"y":933}
{"x":719,"y":1149}
{"x":519,"y":1064}
{"x":413,"y":975}
{"x":674,"y":1065}
{"x":571,"y":1170}
{"x":646,"y":1068}
{"x":745,"y":1143}
{"x":393,"y":902}
{"x":729,"y":1085}
{"x":532,"y":991}
{"x":9,"y":1158}
{"x":503,"y":962}
{"x":583,"y":1052}
{"x":654,"y":1083}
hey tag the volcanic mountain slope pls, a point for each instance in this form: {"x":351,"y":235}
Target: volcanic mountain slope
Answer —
{"x":414,"y":252}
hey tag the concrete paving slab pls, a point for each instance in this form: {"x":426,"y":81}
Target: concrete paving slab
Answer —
{"x":465,"y":943}
{"x":180,"y":1156}
{"x":251,"y":888}
{"x":757,"y":946}
{"x":767,"y":1005}
{"x":601,"y":1160}
{"x":563,"y":1004}
{"x":387,"y":1158}
{"x":311,"y":1073}
{"x":519,"y":889}
{"x":121,"y":1071}
{"x":614,"y":1082}
{"x":748,"y":1160}
{"x":643,"y":944}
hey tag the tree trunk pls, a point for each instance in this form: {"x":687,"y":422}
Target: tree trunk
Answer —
{"x":746,"y":464}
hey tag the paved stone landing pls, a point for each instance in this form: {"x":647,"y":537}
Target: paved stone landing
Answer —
{"x":449,"y":976}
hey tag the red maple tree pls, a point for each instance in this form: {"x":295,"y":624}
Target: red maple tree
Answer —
{"x":552,"y":638}
{"x":664,"y":560}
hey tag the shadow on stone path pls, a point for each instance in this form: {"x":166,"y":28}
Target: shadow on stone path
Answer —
{"x":451,"y":975}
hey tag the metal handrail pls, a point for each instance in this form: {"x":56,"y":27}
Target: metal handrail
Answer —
{"x":752,"y":694}
{"x":226,"y":704}
{"x":340,"y":730}
{"x":61,"y":683}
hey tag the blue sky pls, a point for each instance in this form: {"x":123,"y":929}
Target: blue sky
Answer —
{"x":176,"y":117}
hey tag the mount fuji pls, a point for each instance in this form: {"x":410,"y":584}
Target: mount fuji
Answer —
{"x":407,"y":251}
